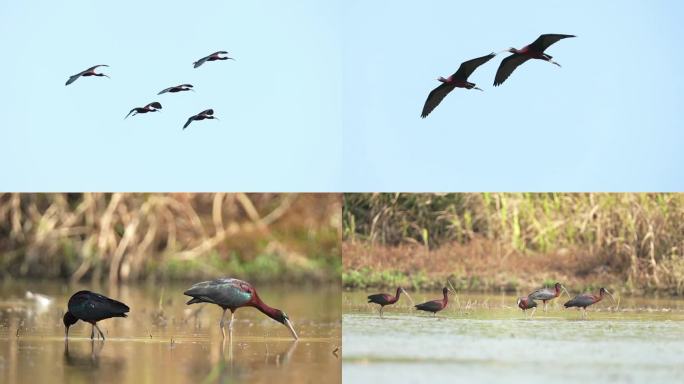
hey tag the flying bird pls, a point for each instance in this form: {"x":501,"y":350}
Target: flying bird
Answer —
{"x":532,"y":51}
{"x":92,"y":307}
{"x":458,"y":80}
{"x":213,"y":57}
{"x":207,"y":114}
{"x":232,"y":294}
{"x":178,"y":88}
{"x":151,"y":107}
{"x":88,"y":72}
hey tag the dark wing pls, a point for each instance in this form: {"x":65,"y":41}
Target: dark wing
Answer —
{"x":378,"y":298}
{"x":226,"y":292}
{"x":166,"y":90}
{"x":542,"y":294}
{"x":430,"y":306}
{"x":154,"y":104}
{"x":201,"y":61}
{"x":207,"y":112}
{"x":545,"y":41}
{"x":507,"y":66}
{"x":88,"y":305}
{"x":190,"y":119}
{"x":467,"y":67}
{"x":94,"y":66}
{"x":129,"y":113}
{"x":73,"y":78}
{"x":219,"y":52}
{"x":186,"y":85}
{"x":579,"y":301}
{"x":435,"y":97}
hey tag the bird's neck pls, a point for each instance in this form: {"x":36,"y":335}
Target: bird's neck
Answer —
{"x":557,"y":288}
{"x":263,"y":307}
{"x":446,"y":298}
{"x":396,"y":297}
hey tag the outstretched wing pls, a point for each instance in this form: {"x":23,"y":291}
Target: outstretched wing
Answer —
{"x":201,"y":61}
{"x":207,"y":112}
{"x":467,"y":67}
{"x":189,"y":121}
{"x":186,"y":85}
{"x":545,"y":41}
{"x":507,"y":66}
{"x":154,"y":104}
{"x":435,"y":97}
{"x":166,"y":90}
{"x":72,"y":79}
{"x":129,"y":113}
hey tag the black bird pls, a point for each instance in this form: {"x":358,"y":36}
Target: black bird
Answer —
{"x":385,"y":298}
{"x":586,"y":299}
{"x":458,"y":80}
{"x":526,"y":303}
{"x":232,"y":294}
{"x":435,"y":306}
{"x":532,"y":51}
{"x":206,"y":114}
{"x":151,"y":107}
{"x":178,"y":88}
{"x":213,"y":57}
{"x":92,"y":307}
{"x":88,"y":72}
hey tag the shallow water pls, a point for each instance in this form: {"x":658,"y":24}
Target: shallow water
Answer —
{"x":163,"y":340}
{"x":486,"y":338}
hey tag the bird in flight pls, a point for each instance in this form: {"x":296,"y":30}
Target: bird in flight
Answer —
{"x":206,"y":114}
{"x":88,"y":72}
{"x":458,"y":80}
{"x":532,"y":51}
{"x":213,"y":57}
{"x":178,"y":88}
{"x":151,"y":107}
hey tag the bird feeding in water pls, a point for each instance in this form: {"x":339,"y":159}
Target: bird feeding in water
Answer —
{"x":458,"y":80}
{"x":526,"y":303}
{"x":206,"y":114}
{"x":435,"y":306}
{"x":232,"y":294}
{"x":520,"y":56}
{"x":586,"y":299}
{"x":177,"y":88}
{"x":88,"y":72}
{"x":213,"y":57}
{"x":386,"y":299}
{"x":92,"y":307}
{"x":545,"y":294}
{"x":151,"y":107}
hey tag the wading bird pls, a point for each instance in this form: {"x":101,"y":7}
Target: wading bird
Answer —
{"x":458,"y":80}
{"x":206,"y":114}
{"x":532,"y":51}
{"x":586,"y":299}
{"x":88,"y":72}
{"x":92,"y":307}
{"x":151,"y":107}
{"x":178,"y":88}
{"x":213,"y":57}
{"x":385,"y":298}
{"x":435,"y":306}
{"x":232,"y":294}
{"x":526,"y":303}
{"x":545,"y":294}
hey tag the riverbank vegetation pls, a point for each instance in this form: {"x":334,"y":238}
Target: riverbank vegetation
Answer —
{"x":126,"y":237}
{"x":515,"y":240}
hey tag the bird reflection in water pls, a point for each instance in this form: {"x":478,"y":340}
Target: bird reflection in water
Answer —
{"x":82,"y":360}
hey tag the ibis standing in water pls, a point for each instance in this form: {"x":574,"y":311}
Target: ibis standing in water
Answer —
{"x":151,"y":107}
{"x":385,"y":298}
{"x":232,"y":294}
{"x":206,"y":114}
{"x":92,"y":307}
{"x":435,"y":306}
{"x":526,"y":303}
{"x":520,"y":56}
{"x":213,"y":57}
{"x":458,"y":80}
{"x":586,"y":299}
{"x":88,"y":72}
{"x":545,"y":294}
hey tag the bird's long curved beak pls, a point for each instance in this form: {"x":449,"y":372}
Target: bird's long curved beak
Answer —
{"x":553,"y":62}
{"x":479,"y":89}
{"x":107,"y":76}
{"x":565,"y":290}
{"x":611,"y":297}
{"x":291,"y":328}
{"x":407,"y":295}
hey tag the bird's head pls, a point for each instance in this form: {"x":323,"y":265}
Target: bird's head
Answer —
{"x":445,"y":291}
{"x":604,"y":291}
{"x":69,"y":320}
{"x":282,"y":318}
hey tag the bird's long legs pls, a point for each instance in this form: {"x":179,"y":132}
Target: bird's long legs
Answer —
{"x":223,"y":331}
{"x":99,"y":330}
{"x":230,"y":324}
{"x":92,"y":331}
{"x":544,"y":301}
{"x":381,"y":308}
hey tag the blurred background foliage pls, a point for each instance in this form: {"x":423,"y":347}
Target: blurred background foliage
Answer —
{"x":132,"y":236}
{"x":637,"y":238}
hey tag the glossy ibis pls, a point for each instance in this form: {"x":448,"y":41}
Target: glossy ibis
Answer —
{"x":213,"y":57}
{"x":178,"y":88}
{"x":532,"y":51}
{"x":151,"y":107}
{"x":92,"y":307}
{"x":232,"y":294}
{"x":586,"y":299}
{"x":458,"y":80}
{"x":206,"y":114}
{"x":88,"y":72}
{"x":526,"y":303}
{"x":435,"y":306}
{"x":545,"y":294}
{"x":385,"y":298}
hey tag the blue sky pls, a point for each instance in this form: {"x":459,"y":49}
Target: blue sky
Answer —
{"x":326,"y":96}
